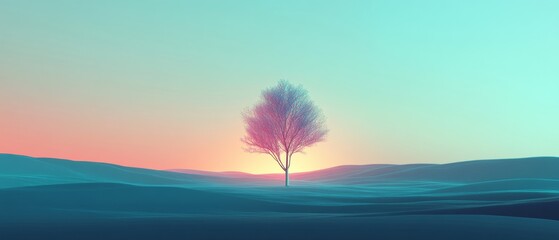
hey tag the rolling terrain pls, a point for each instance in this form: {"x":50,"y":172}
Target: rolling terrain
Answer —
{"x":484,"y":199}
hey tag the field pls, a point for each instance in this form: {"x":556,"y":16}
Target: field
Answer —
{"x":488,"y":199}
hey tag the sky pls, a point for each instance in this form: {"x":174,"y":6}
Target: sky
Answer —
{"x":162,"y":84}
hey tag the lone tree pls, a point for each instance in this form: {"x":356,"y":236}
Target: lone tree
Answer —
{"x":284,"y":122}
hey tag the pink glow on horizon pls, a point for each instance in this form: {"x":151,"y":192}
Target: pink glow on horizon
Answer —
{"x":85,"y":136}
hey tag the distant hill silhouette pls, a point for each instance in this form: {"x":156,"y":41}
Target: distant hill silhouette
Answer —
{"x":460,"y":172}
{"x":468,"y":171}
{"x":17,"y":170}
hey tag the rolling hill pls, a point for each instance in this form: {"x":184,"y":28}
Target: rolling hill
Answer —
{"x":485,"y":199}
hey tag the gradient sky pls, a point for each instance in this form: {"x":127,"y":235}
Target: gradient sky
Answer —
{"x":161,"y":84}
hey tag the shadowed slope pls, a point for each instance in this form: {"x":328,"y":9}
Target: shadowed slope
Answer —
{"x":432,"y":227}
{"x":544,"y":209}
{"x":531,"y":184}
{"x":86,"y":200}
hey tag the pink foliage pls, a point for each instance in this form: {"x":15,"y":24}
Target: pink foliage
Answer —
{"x":284,"y":122}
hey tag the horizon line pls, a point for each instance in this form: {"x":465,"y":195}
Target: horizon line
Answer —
{"x":270,"y":173}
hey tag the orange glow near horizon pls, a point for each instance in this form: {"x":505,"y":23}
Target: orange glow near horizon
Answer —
{"x":69,"y":130}
{"x":76,"y":136}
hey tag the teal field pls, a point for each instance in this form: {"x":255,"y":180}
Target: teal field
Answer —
{"x":61,"y":199}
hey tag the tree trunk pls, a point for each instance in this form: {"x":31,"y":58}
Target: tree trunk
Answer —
{"x":287,"y":162}
{"x":287,"y":177}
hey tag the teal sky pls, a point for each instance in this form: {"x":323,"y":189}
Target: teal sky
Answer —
{"x":161,"y":84}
